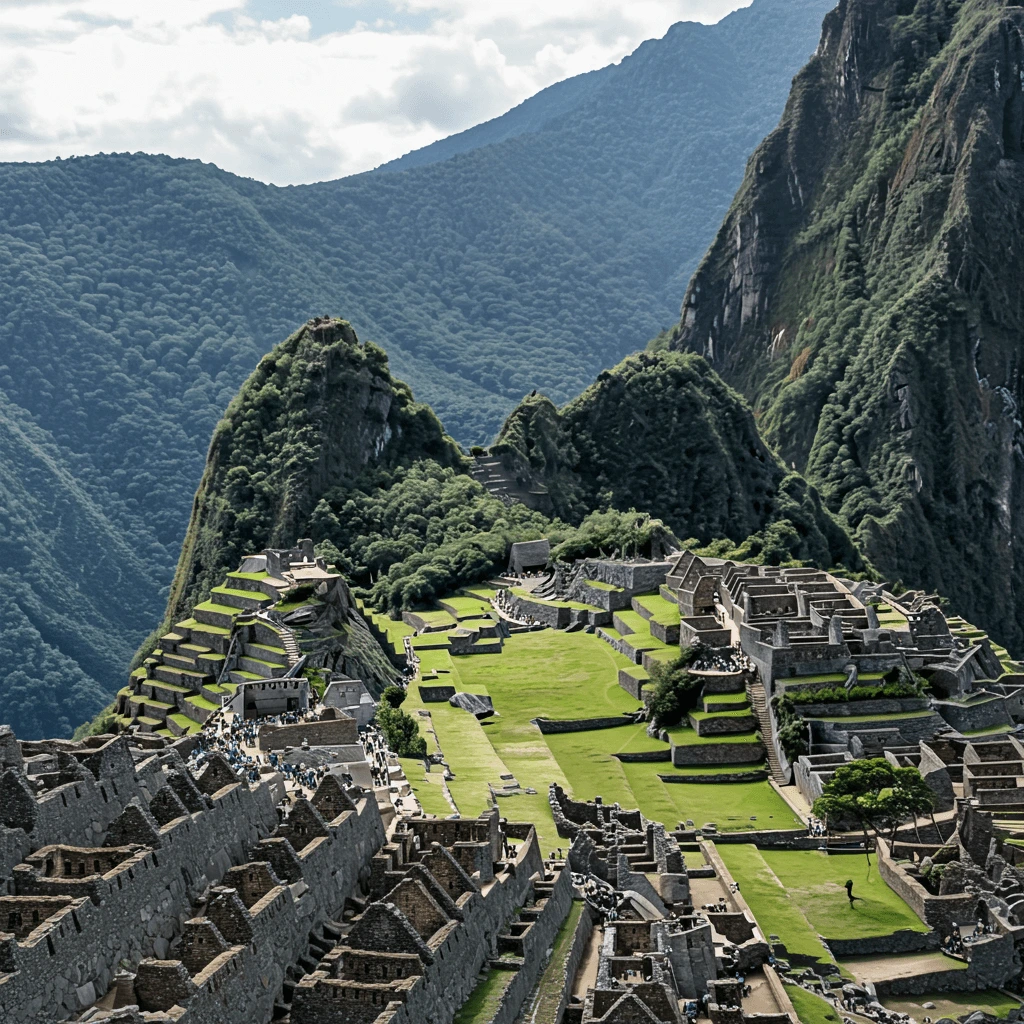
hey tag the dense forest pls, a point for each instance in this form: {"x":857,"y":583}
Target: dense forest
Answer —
{"x":663,"y":432}
{"x":872,"y":314}
{"x":528,"y":252}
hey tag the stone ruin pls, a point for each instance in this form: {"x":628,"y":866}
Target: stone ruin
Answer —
{"x":659,"y":956}
{"x":281,"y":611}
{"x":132,"y":889}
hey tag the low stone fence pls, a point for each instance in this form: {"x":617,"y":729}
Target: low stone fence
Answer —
{"x":556,"y":725}
{"x":741,"y":776}
{"x":787,"y":839}
{"x":903,"y":941}
{"x":881,"y":706}
{"x":645,"y":756}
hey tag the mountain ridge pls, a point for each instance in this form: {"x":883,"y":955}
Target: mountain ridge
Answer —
{"x":851,"y":293}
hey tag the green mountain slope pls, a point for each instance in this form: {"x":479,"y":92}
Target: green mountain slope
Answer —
{"x":664,"y":433}
{"x":66,"y":625}
{"x":865,"y":291}
{"x":322,"y":441}
{"x":139,"y":291}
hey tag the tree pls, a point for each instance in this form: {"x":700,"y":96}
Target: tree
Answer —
{"x":676,"y":690}
{"x":394,"y":695}
{"x":876,"y":794}
{"x":400,"y":730}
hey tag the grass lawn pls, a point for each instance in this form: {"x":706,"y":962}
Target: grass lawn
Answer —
{"x":777,"y":911}
{"x":567,"y":675}
{"x":799,"y":894}
{"x":952,"y":1004}
{"x":466,"y":607}
{"x":548,"y":994}
{"x":484,"y":1000}
{"x":811,"y":1009}
{"x":426,"y":787}
{"x":816,"y":881}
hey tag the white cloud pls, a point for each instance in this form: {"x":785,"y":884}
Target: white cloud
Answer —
{"x":294,"y":90}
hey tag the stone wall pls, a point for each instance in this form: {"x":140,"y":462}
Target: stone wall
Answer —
{"x":938,"y":912}
{"x":637,"y":577}
{"x":329,"y":733}
{"x":553,"y":725}
{"x":141,"y":906}
{"x":138,"y":907}
{"x":684,"y":755}
{"x":969,"y":717}
{"x":537,"y":941}
{"x":882,"y":706}
{"x":903,"y":941}
{"x":452,"y":962}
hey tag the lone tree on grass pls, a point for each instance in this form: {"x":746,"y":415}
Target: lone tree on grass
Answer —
{"x":877,"y":795}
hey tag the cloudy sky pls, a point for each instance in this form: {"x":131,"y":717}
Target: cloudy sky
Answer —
{"x":293,"y":91}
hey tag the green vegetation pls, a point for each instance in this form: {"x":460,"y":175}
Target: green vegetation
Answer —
{"x":550,"y":988}
{"x":140,"y":291}
{"x":400,"y":730}
{"x":485,"y":999}
{"x":736,"y":496}
{"x":799,"y":895}
{"x":811,"y":1009}
{"x":426,"y":785}
{"x":876,"y":795}
{"x":888,"y":375}
{"x":676,"y":690}
{"x":569,"y":675}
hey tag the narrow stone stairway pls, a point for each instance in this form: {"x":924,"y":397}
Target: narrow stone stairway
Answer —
{"x":759,"y":702}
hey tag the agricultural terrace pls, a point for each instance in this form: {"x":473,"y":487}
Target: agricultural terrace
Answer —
{"x":563,"y":675}
{"x":799,"y":895}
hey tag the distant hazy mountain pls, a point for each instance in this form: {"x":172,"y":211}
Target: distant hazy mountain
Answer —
{"x":531,"y":251}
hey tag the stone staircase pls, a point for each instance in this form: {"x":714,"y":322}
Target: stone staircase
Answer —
{"x":290,"y":645}
{"x":759,"y":702}
{"x":489,"y":471}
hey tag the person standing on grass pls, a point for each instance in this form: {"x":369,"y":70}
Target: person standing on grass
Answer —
{"x":849,"y":892}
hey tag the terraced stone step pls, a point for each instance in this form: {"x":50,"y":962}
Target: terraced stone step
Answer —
{"x":274,"y":655}
{"x":245,"y":599}
{"x":182,"y":725}
{"x":237,"y":675}
{"x":725,"y":701}
{"x":264,"y":669}
{"x":210,"y":613}
{"x":183,"y":677}
{"x":180,"y":661}
{"x":723,"y":722}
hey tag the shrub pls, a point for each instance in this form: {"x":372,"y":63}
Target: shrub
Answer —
{"x":394,"y":695}
{"x":676,"y":690}
{"x":400,"y":730}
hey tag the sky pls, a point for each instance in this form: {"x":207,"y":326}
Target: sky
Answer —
{"x":293,"y":91}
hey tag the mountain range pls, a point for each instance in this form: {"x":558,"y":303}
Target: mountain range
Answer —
{"x":529,"y":252}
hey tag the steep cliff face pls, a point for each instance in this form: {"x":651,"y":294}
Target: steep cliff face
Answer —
{"x":321,"y":412}
{"x":866,"y":291}
{"x":665,"y":434}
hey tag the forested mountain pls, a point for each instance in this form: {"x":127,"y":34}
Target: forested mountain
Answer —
{"x":866,"y":292}
{"x":664,"y":433}
{"x":139,"y":292}
{"x":322,"y":441}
